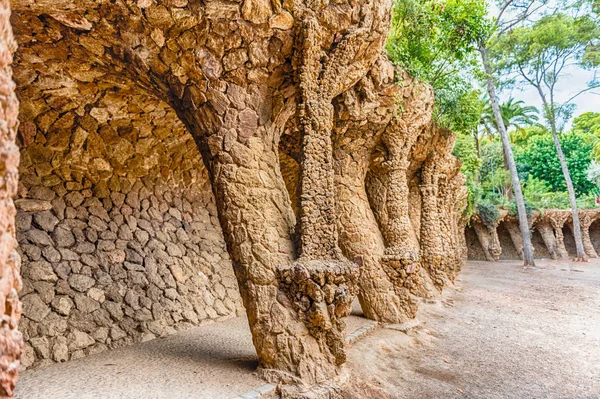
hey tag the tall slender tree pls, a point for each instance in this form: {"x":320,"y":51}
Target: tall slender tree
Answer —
{"x":510,"y":14}
{"x":539,"y":55}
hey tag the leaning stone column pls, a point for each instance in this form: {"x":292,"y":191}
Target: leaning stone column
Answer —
{"x":488,"y":238}
{"x":547,"y":233}
{"x":363,"y":116}
{"x":557,"y":220}
{"x":11,"y":341}
{"x":586,"y":222}
{"x":296,"y":306}
{"x":434,"y":170}
{"x":453,"y":196}
{"x":322,"y":282}
{"x":401,"y":259}
{"x":431,"y":244}
{"x":380,"y":297}
{"x":515,"y":235}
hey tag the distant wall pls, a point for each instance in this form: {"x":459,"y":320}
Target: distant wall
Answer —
{"x":552,"y":235}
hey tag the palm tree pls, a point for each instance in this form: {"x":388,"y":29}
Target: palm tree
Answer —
{"x":515,"y":114}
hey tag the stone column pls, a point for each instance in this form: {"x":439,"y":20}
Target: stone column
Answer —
{"x":515,"y":236}
{"x":547,"y":233}
{"x":296,"y":305}
{"x":380,"y":296}
{"x":431,"y":244}
{"x":488,"y":238}
{"x":586,"y":222}
{"x":258,"y":225}
{"x":11,"y":341}
{"x":453,"y":198}
{"x":557,"y":220}
{"x":363,"y":116}
{"x":401,"y":259}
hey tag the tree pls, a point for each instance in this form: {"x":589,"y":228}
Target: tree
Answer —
{"x":433,"y":41}
{"x":521,"y":11}
{"x":538,"y":159}
{"x":515,"y":114}
{"x":537,"y":54}
{"x":589,"y":123}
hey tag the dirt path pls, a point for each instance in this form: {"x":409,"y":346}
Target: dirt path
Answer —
{"x":502,"y":332}
{"x":213,"y":361}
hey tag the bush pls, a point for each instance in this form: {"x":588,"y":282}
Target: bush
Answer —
{"x":512,"y":208}
{"x":488,"y":213}
{"x":539,"y":159}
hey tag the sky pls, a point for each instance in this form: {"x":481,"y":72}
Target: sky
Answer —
{"x":574,"y":81}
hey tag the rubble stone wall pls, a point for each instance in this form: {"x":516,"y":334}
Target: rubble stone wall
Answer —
{"x":11,"y":341}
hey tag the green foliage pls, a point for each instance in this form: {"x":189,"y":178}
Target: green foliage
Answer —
{"x":520,"y":137}
{"x":513,"y":210}
{"x":495,"y":178}
{"x":488,"y":213}
{"x":535,"y":191}
{"x":539,"y":159}
{"x":434,"y":41}
{"x":515,"y":114}
{"x":589,"y":123}
{"x":458,"y":106}
{"x":430,"y":38}
{"x":465,"y":150}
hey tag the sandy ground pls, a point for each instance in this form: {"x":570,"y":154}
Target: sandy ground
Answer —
{"x":213,"y":361}
{"x":502,"y":332}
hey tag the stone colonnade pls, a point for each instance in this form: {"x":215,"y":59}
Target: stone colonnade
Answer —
{"x":329,"y":179}
{"x":548,"y":229}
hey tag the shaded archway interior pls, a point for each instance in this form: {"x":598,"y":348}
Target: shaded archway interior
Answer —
{"x":117,"y":224}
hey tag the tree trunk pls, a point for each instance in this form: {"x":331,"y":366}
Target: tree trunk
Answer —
{"x":581,"y":256}
{"x":512,"y":167}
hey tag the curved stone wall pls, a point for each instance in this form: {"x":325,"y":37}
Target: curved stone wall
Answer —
{"x":117,"y":224}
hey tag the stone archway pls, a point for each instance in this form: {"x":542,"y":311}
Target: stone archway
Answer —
{"x":569,"y":240}
{"x":118,"y":225}
{"x":227,"y":70}
{"x":595,"y":234}
{"x":115,"y":201}
{"x":541,"y":250}
{"x":509,"y":251}
{"x":475,"y":250}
